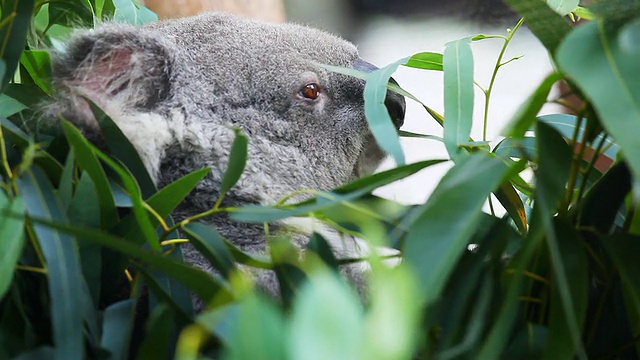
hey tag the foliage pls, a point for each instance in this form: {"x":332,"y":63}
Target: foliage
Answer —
{"x":84,"y":236}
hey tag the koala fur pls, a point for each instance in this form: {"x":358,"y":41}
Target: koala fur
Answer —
{"x":176,"y":87}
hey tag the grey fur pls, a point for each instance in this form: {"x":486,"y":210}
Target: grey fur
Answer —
{"x":175,"y":88}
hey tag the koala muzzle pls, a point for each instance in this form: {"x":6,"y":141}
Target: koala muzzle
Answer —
{"x":394,"y":102}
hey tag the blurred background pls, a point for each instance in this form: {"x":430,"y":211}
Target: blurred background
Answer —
{"x":386,"y":31}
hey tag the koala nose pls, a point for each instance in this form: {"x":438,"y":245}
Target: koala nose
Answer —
{"x":394,"y":102}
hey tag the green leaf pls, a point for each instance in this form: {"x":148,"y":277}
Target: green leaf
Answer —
{"x":512,"y":202}
{"x":10,"y":106}
{"x":445,"y":224}
{"x":63,"y":265}
{"x":117,"y":327}
{"x":458,"y":94}
{"x":426,"y":61}
{"x":554,"y":163}
{"x":12,"y":238}
{"x":210,"y":244}
{"x":70,"y":13}
{"x":121,"y":148}
{"x":623,"y":251}
{"x":601,"y":204}
{"x":252,"y":329}
{"x":380,"y":123}
{"x":353,"y":190}
{"x":319,"y":245}
{"x":419,"y":136}
{"x":13,"y":35}
{"x":517,"y":148}
{"x":159,"y":327}
{"x":568,"y":298}
{"x":525,"y":117}
{"x":132,"y":12}
{"x":566,"y":124}
{"x":606,"y":73}
{"x":393,"y":319}
{"x":549,"y":27}
{"x":551,"y":177}
{"x":163,"y":202}
{"x":88,"y":162}
{"x":317,"y":330}
{"x":237,"y":161}
{"x":502,"y":324}
{"x":85,"y":211}
{"x":165,"y":298}
{"x":563,"y":7}
{"x":38,"y":65}
{"x":200,"y":282}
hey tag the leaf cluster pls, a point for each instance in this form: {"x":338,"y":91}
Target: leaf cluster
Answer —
{"x":91,"y":263}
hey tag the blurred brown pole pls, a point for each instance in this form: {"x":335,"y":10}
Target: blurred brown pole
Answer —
{"x":269,"y":10}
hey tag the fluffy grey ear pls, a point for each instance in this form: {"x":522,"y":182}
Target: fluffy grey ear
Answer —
{"x":122,"y":65}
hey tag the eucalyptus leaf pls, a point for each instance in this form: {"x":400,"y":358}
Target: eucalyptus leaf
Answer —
{"x":458,"y":94}
{"x":63,"y":265}
{"x":380,"y":123}
{"x":117,"y":327}
{"x":444,"y":225}
{"x":13,"y":35}
{"x":236,"y":163}
{"x":426,"y":61}
{"x":13,"y":239}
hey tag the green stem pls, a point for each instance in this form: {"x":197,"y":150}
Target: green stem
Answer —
{"x":487,"y":93}
{"x":575,"y":163}
{"x":585,"y":175}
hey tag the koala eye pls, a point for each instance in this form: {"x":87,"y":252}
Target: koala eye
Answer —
{"x":310,"y":91}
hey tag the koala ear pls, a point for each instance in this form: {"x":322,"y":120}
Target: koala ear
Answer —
{"x":121,"y":64}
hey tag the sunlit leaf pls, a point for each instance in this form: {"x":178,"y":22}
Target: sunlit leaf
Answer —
{"x":426,"y":61}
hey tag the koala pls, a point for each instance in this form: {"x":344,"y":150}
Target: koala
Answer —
{"x":176,"y":89}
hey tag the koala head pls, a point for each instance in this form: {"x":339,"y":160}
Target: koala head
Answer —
{"x":176,"y":88}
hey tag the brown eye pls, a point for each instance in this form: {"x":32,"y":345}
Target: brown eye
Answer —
{"x":310,"y":91}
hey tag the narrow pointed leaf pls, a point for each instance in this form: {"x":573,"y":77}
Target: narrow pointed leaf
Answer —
{"x":13,"y":35}
{"x":117,"y":327}
{"x":458,"y":94}
{"x":426,"y":61}
{"x":63,"y":264}
{"x":121,"y":148}
{"x":163,"y":202}
{"x":237,"y":161}
{"x":88,"y":162}
{"x":11,"y":238}
{"x":210,"y":244}
{"x":445,"y":224}
{"x":380,"y":123}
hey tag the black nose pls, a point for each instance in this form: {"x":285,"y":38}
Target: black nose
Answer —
{"x":394,"y":102}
